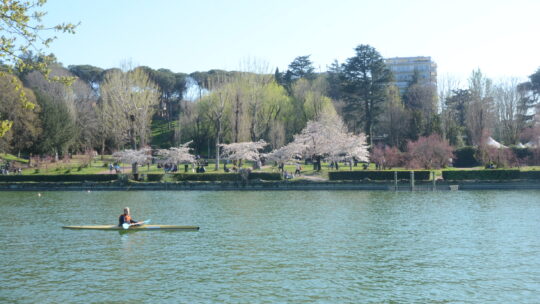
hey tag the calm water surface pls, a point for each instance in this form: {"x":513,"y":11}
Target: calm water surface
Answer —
{"x":273,"y":247}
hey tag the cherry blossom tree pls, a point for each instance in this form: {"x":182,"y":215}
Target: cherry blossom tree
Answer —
{"x":133,"y":157}
{"x":349,"y":147}
{"x":327,"y":137}
{"x":293,"y":150}
{"x":175,"y":155}
{"x":243,"y":151}
{"x":318,"y":137}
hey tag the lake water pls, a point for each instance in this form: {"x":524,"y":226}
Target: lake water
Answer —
{"x":273,"y":247}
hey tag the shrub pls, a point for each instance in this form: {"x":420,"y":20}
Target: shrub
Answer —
{"x":529,"y":174}
{"x":265,"y":175}
{"x":521,"y":153}
{"x":465,"y":157}
{"x":207,"y":177}
{"x":481,"y":174}
{"x":154,"y":177}
{"x":58,"y":178}
{"x":429,"y":152}
{"x":386,"y":157}
{"x":500,"y":157}
{"x":378,"y":175}
{"x":215,"y":176}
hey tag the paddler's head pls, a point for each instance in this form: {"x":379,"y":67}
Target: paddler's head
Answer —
{"x":126,"y":210}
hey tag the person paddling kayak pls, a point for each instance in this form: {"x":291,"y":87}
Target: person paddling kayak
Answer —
{"x":125,"y":218}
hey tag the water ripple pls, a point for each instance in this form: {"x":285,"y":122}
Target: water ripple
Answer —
{"x":274,"y":247}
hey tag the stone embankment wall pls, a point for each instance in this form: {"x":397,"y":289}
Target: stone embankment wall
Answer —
{"x":277,"y":185}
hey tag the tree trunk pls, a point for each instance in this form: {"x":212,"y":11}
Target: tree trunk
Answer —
{"x":134,"y":166}
{"x":217,"y":143}
{"x":237,"y":119}
{"x":102,"y":148}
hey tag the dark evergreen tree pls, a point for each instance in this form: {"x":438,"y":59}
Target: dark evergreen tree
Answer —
{"x":88,"y":73}
{"x":529,"y":96}
{"x":365,"y":78}
{"x":333,"y":77}
{"x":302,"y":67}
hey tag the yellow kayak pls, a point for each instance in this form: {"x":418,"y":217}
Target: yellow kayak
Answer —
{"x":141,"y":227}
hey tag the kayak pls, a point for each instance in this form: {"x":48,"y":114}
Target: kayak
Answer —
{"x":141,"y":227}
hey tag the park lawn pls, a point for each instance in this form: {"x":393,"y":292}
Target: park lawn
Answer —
{"x":99,"y":165}
{"x":162,"y":136}
{"x":69,"y":168}
{"x":11,"y":157}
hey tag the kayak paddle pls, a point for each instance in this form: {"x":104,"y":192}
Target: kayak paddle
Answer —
{"x":127,"y":225}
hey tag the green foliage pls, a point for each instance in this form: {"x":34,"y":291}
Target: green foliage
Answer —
{"x":154,"y":177}
{"x":465,"y":157}
{"x":522,"y":153}
{"x":364,"y":79}
{"x":270,"y":176}
{"x":378,"y":175}
{"x":10,"y":157}
{"x":58,"y":125}
{"x":162,"y":135}
{"x":456,"y":175}
{"x":90,"y":74}
{"x":5,"y":125}
{"x":58,"y":178}
{"x":207,"y":177}
{"x":302,"y":67}
{"x":22,"y":122}
{"x":21,"y":30}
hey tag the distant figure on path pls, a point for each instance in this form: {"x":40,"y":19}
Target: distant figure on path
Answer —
{"x":298,"y":170}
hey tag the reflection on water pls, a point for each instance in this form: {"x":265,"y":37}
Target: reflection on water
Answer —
{"x":299,"y":247}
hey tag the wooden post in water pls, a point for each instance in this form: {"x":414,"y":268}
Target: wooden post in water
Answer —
{"x":412,"y":180}
{"x":434,"y":185}
{"x":395,"y":180}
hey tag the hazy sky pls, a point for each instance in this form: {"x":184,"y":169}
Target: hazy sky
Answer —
{"x":498,"y":36}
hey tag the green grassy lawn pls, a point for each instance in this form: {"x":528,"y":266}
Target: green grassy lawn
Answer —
{"x":10,"y":157}
{"x":162,"y":135}
{"x":78,"y":165}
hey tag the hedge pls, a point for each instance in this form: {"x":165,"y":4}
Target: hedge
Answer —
{"x":465,"y":158}
{"x":207,"y":177}
{"x":215,"y":176}
{"x":481,"y":174}
{"x":522,"y":153}
{"x":265,"y":175}
{"x":59,"y":178}
{"x":154,"y":177}
{"x":529,"y":174}
{"x":378,"y":175}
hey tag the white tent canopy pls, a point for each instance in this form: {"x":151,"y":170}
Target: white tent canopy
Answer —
{"x":533,"y":143}
{"x":493,"y":143}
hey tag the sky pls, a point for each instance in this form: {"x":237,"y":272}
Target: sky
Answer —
{"x":498,"y":36}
